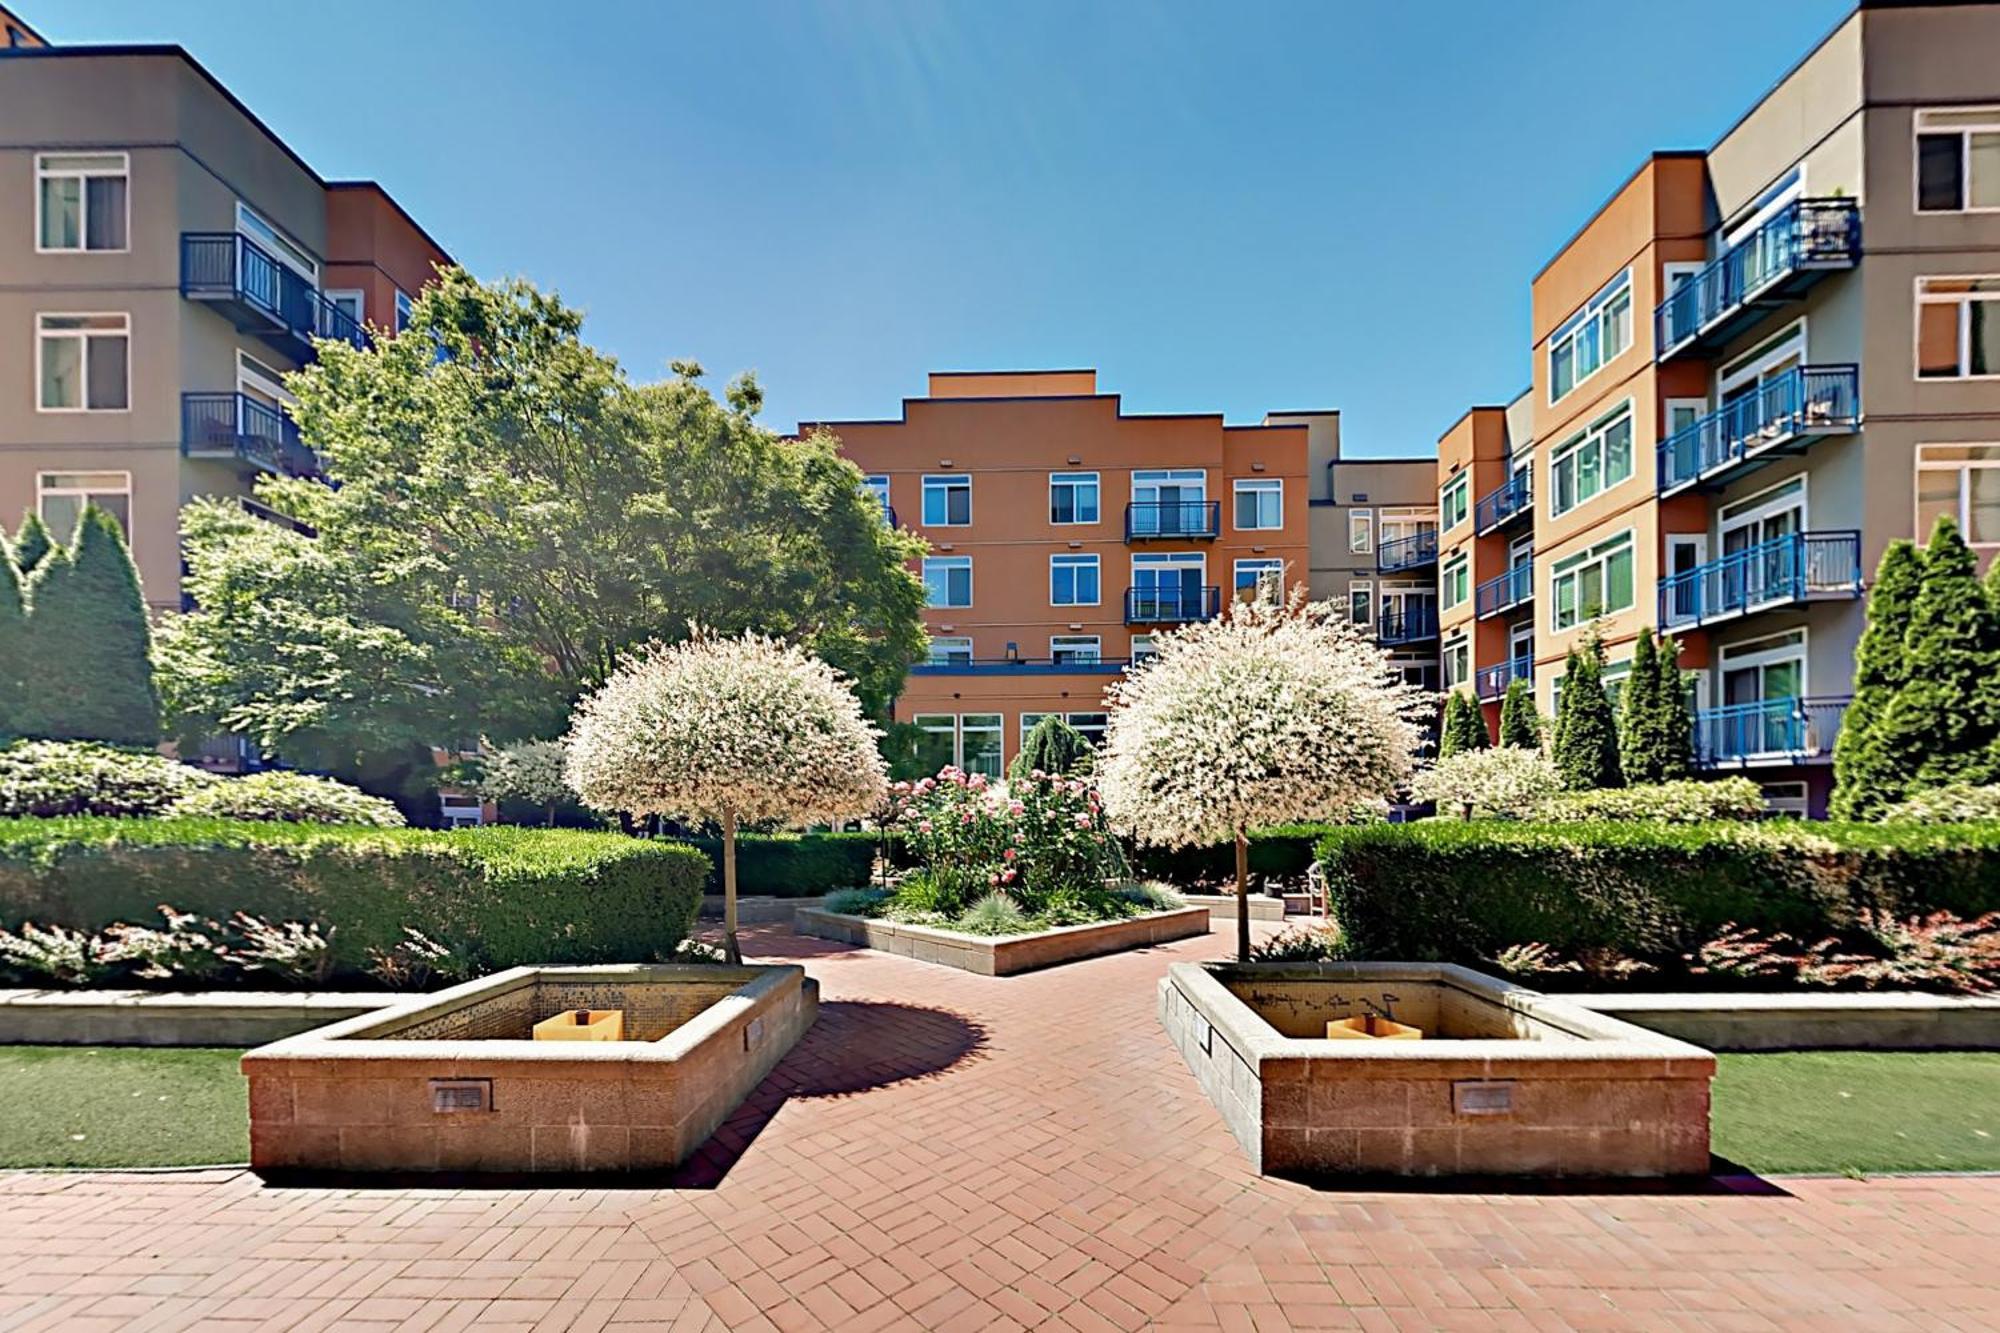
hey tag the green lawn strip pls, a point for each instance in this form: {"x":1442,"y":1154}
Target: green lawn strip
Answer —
{"x":1858,"y":1111}
{"x":88,"y":1106}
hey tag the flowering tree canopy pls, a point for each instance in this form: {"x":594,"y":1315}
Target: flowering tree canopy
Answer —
{"x":530,"y":771}
{"x":1509,"y":782}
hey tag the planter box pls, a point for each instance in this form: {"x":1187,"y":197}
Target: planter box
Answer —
{"x":453,"y":1081}
{"x":1222,"y":906}
{"x":173,"y":1018}
{"x":757,"y":909}
{"x":1768,"y":1021}
{"x":1004,"y":955}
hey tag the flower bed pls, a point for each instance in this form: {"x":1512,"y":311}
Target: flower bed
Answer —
{"x":1005,"y":955}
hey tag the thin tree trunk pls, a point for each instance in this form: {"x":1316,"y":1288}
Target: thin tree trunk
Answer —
{"x":730,"y":951}
{"x":1242,"y":896}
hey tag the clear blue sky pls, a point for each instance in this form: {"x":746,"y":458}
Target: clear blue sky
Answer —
{"x":1221,"y":207}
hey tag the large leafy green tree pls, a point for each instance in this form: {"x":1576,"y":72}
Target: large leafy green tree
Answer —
{"x":1944,"y":718}
{"x":89,"y":632}
{"x":1520,"y":725}
{"x":513,"y":516}
{"x":1869,"y":774}
{"x":1586,"y":744}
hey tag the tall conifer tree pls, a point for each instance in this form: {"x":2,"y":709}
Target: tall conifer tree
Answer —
{"x":1868,"y":773}
{"x":1519,"y":725}
{"x":1586,"y":748}
{"x":1945,"y":716}
{"x":90,"y":633}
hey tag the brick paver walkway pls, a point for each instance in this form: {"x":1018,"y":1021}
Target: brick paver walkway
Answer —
{"x":948,"y":1151}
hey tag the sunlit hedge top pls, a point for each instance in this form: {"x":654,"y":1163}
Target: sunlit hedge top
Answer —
{"x":715,"y":726}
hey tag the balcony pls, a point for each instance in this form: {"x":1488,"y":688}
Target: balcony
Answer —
{"x":1173,"y":520}
{"x":1505,"y":592}
{"x":1410,"y":622}
{"x":1782,"y":416}
{"x":1171,"y":606}
{"x":259,"y":295}
{"x":1808,"y":238}
{"x":1406,"y":553}
{"x":235,"y":425}
{"x":1784,"y":571}
{"x":1771,"y":731}
{"x":1503,"y":504}
{"x":1491,"y":682}
{"x":1022,"y":666}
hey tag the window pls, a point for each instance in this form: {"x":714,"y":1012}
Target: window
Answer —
{"x":1958,"y":160}
{"x":1958,"y":328}
{"x":403,"y":305}
{"x":1075,"y":649}
{"x":1361,"y":603}
{"x":83,"y":362}
{"x":1142,"y":648}
{"x":1453,"y":502}
{"x":61,"y":496}
{"x":1260,"y":578}
{"x":1170,"y":502}
{"x":950,"y":650}
{"x":1073,"y":580}
{"x":1593,"y":336}
{"x":878,"y":486}
{"x":1457,"y":661}
{"x":1360,"y":531}
{"x":1592,"y":463}
{"x":81,"y":202}
{"x":979,"y":743}
{"x":1593,"y":583}
{"x":275,"y":243}
{"x":350,"y":302}
{"x":1073,"y":497}
{"x":1088,"y":725}
{"x":1260,"y":504}
{"x":1455,"y":581}
{"x":1962,"y":480}
{"x":937,"y":740}
{"x":947,"y":502}
{"x":1402,"y":524}
{"x":948,"y":579}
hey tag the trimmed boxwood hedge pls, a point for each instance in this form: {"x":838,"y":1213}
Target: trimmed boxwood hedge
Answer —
{"x":1461,"y":891}
{"x":508,"y":895}
{"x":1284,"y":851}
{"x":793,"y":865}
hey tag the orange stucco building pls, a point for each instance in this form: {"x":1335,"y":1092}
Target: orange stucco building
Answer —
{"x":1064,"y":533}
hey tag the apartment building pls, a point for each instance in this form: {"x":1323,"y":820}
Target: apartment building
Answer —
{"x":1752,"y":368}
{"x":1064,"y":534}
{"x":172,"y":259}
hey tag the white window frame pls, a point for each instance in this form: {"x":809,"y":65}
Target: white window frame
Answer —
{"x":1571,"y":567}
{"x":1454,"y":502}
{"x":999,"y":733}
{"x":1918,"y":130}
{"x":1076,"y":561}
{"x":949,"y":645}
{"x":1142,"y":654}
{"x":100,"y":484}
{"x":1963,"y":300}
{"x":83,"y":336}
{"x":1457,"y":646}
{"x":1261,"y":566}
{"x":1960,"y":466}
{"x":82,"y":174}
{"x":1361,"y":532}
{"x":405,"y":304}
{"x":1260,"y":487}
{"x":1071,"y":643}
{"x":1593,"y":311}
{"x":1362,"y":588}
{"x":946,"y":482}
{"x":336,"y":295}
{"x":1073,"y":479}
{"x":945,"y":564}
{"x":1391,"y":523}
{"x":1574,"y":447}
{"x":1758,"y":505}
{"x":276,"y":242}
{"x":1459,"y":566}
{"x":1784,"y":345}
{"x":877,"y":485}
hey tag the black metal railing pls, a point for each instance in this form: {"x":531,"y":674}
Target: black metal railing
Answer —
{"x":1171,"y":605}
{"x":1147,"y":520}
{"x":1793,"y":568}
{"x":235,"y":424}
{"x":1804,"y":402}
{"x":1407,"y":552}
{"x":262,"y":295}
{"x":1806,"y":237}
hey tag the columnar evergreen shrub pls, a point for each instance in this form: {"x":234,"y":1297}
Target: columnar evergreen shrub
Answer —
{"x":1464,"y":725}
{"x":1870,"y":769}
{"x":1053,"y":746}
{"x":1655,"y":733}
{"x":1520,"y":724}
{"x":1586,"y":743}
{"x":1676,"y":706}
{"x":1946,"y":713}
{"x":88,"y":627}
{"x":32,"y":544}
{"x":14,"y":649}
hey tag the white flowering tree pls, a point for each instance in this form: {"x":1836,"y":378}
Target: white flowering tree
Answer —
{"x":728,"y":731}
{"x":530,"y":771}
{"x":1276,"y":713}
{"x":1509,"y":782}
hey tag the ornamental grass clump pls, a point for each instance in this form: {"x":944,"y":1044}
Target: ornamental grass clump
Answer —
{"x":1276,"y":713}
{"x":726,"y":731}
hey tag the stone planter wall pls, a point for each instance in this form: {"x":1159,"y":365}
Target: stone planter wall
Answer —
{"x":1762,"y":1021}
{"x":757,"y":909}
{"x":1004,"y":955}
{"x":172,"y":1018}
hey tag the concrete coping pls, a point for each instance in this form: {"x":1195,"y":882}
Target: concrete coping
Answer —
{"x":245,"y":1001}
{"x":1769,"y":1002}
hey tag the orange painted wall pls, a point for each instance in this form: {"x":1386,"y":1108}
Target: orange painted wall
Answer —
{"x":1476,"y":444}
{"x":371,"y":245}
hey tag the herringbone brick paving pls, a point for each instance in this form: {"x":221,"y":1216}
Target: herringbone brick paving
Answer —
{"x":957,"y":1152}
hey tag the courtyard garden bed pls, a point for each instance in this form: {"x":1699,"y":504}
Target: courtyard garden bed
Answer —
{"x":1005,"y":955}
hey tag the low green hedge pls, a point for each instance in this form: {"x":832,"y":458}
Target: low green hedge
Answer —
{"x":1460,"y":891}
{"x":796,"y":865}
{"x":507,"y":895}
{"x":1283,"y":851}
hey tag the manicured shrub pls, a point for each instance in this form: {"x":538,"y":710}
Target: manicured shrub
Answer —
{"x":793,"y":865}
{"x":1586,"y":741}
{"x":1869,"y":770}
{"x":1281,"y":853}
{"x":1302,"y":944}
{"x":1944,"y":718}
{"x":505,"y":896}
{"x":1520,"y":723}
{"x":49,"y":778}
{"x":1053,"y":746}
{"x":1463,"y":891}
{"x":1464,"y":726}
{"x":1946,"y":805}
{"x":15,"y":656}
{"x":292,"y":797}
{"x":1689,"y":802}
{"x":89,"y":630}
{"x":32,"y":543}
{"x":1655,"y":729}
{"x":1508,"y":782}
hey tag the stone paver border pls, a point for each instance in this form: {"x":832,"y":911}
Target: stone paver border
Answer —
{"x":1004,"y":955}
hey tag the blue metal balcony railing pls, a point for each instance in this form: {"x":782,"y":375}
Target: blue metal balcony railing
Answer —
{"x":1502,"y":504}
{"x":1800,"y":567}
{"x":1167,"y":606}
{"x":1801,"y":405}
{"x":215,"y":425}
{"x":261,"y":295}
{"x":1506,"y":591}
{"x":1407,"y":553}
{"x":1807,"y":238}
{"x":1410,"y":622}
{"x":1021,"y":666}
{"x":1770,"y":731}
{"x":1490,"y":682}
{"x":1152,"y":520}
